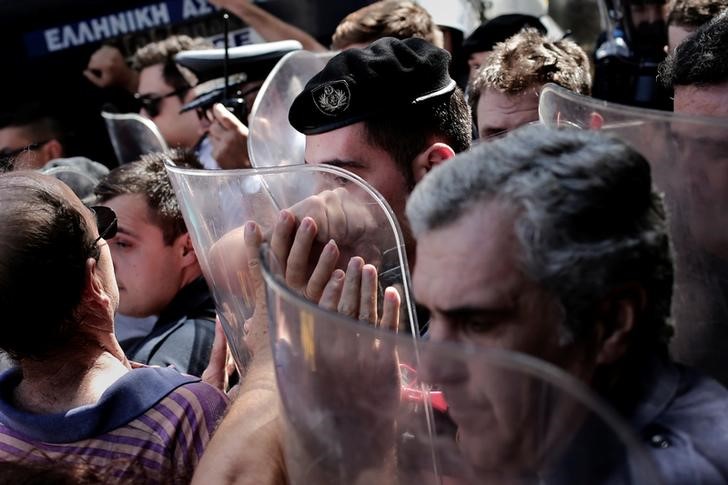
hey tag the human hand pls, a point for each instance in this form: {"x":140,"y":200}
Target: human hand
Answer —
{"x":221,"y":364}
{"x":107,"y":67}
{"x":339,"y":382}
{"x":229,"y":137}
{"x":341,"y":216}
{"x":228,"y":4}
{"x":256,"y":327}
{"x":295,"y":254}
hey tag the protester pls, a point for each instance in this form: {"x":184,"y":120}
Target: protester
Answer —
{"x":74,"y":397}
{"x":697,"y":72}
{"x":554,"y":243}
{"x":163,"y":89}
{"x":684,"y":16}
{"x":504,"y":93}
{"x":385,"y":18}
{"x":156,"y":266}
{"x":480,"y":44}
{"x":29,"y":138}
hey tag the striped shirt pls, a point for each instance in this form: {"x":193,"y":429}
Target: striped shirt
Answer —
{"x":151,"y":425}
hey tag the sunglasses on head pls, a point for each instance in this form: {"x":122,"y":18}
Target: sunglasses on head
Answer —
{"x":150,"y":102}
{"x":106,"y":222}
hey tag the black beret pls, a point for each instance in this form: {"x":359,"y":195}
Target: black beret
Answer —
{"x":498,"y":29}
{"x":387,"y":76}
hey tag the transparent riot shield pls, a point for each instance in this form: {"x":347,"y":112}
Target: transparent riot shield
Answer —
{"x":364,"y":405}
{"x":273,"y":141}
{"x":688,"y":156}
{"x":216,"y":205}
{"x":132,"y":135}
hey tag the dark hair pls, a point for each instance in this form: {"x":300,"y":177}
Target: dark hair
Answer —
{"x":406,"y":133}
{"x":163,"y":52}
{"x":148,"y":177}
{"x":44,"y":245}
{"x":694,"y":13}
{"x":34,"y":119}
{"x":385,"y":18}
{"x":702,"y":58}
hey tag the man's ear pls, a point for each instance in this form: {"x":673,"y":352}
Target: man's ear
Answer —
{"x":186,"y":249}
{"x":428,"y":159}
{"x":618,"y":315}
{"x":93,"y":290}
{"x":53,"y":149}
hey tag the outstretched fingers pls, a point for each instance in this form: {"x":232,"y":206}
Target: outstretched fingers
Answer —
{"x":298,"y":256}
{"x":332,"y":291}
{"x":351,"y":294}
{"x":323,"y":271}
{"x":390,"y":310}
{"x":282,"y":237}
{"x":368,"y":294}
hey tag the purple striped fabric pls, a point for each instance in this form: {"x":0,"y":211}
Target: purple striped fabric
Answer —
{"x":163,"y":442}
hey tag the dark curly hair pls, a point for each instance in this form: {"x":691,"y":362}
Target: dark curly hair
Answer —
{"x":701,"y":59}
{"x":694,"y":13}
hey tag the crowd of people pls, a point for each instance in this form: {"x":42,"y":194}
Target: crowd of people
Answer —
{"x":588,"y":247}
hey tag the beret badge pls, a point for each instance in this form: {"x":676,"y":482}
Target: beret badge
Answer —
{"x":332,"y":98}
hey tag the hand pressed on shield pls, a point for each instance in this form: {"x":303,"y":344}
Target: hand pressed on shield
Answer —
{"x":345,"y":378}
{"x":355,"y":294}
{"x":221,"y":365}
{"x":339,"y":222}
{"x":305,"y":265}
{"x":339,"y":214}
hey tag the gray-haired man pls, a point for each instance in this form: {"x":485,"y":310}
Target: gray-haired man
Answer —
{"x":553,"y":243}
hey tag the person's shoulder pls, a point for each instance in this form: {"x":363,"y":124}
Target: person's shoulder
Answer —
{"x":200,"y":397}
{"x":690,"y":436}
{"x":699,"y":396}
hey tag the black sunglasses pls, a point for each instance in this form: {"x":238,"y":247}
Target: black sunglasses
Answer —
{"x":7,"y":156}
{"x":150,"y":102}
{"x":106,"y":222}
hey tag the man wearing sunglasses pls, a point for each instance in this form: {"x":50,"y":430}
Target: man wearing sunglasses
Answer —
{"x":29,"y":139}
{"x":164,"y":88}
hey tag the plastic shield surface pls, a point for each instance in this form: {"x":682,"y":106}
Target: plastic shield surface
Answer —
{"x":216,"y":204}
{"x":363,"y":405}
{"x":273,"y":141}
{"x":689,"y":160}
{"x":132,"y":136}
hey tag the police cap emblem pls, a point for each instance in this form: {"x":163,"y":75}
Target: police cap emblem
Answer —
{"x":332,"y":98}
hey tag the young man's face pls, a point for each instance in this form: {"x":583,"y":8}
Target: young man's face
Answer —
{"x":499,"y":113}
{"x":348,"y":148}
{"x":148,"y":271}
{"x":177,"y":129}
